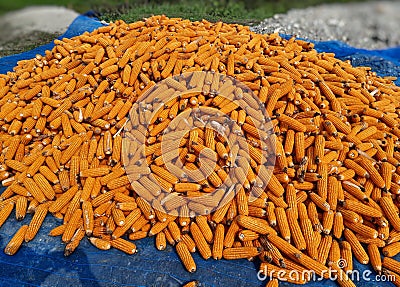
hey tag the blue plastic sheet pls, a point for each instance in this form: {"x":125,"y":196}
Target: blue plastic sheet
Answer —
{"x":41,"y":262}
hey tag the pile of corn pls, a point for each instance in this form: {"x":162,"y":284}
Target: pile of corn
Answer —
{"x":333,"y":191}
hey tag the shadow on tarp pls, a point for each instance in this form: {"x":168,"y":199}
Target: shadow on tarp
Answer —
{"x":41,"y":261}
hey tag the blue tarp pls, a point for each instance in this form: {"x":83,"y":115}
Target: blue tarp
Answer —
{"x":41,"y":262}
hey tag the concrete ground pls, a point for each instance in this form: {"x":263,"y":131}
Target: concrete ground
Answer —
{"x":32,"y":26}
{"x":370,"y":25}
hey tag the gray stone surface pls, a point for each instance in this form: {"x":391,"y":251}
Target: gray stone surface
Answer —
{"x":369,"y":25}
